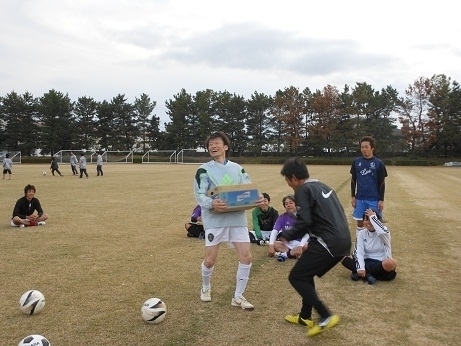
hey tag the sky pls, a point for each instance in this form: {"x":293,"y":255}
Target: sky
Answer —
{"x":101,"y":49}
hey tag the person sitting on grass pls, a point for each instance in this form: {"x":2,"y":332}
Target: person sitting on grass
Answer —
{"x":372,"y":259}
{"x":28,"y":211}
{"x":194,"y":228}
{"x":284,"y":222}
{"x":263,"y":219}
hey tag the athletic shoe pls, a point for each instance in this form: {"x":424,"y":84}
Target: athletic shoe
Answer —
{"x":41,"y":223}
{"x":261,"y":242}
{"x":242,"y":302}
{"x":324,"y":324}
{"x":266,"y":242}
{"x":355,"y":277}
{"x":205,"y":294}
{"x":296,"y":319}
{"x":282,"y":257}
{"x":371,"y":279}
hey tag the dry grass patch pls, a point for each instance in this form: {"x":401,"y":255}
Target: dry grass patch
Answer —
{"x":115,"y":241}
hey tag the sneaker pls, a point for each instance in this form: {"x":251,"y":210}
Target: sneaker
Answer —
{"x":266,"y":242}
{"x":371,"y":279}
{"x":324,"y":324}
{"x":355,"y":277}
{"x":296,"y":319}
{"x":282,"y":257}
{"x":261,"y":242}
{"x":205,"y":294}
{"x":242,"y":302}
{"x":41,"y":223}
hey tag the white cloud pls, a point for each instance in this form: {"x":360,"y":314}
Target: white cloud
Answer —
{"x":103,"y":48}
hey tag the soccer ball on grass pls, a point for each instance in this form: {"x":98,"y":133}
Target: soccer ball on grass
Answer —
{"x":32,"y":302}
{"x":44,"y":172}
{"x":153,"y":311}
{"x":34,"y":340}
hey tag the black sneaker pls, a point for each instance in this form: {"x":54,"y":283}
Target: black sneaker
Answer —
{"x":371,"y":279}
{"x":355,"y":277}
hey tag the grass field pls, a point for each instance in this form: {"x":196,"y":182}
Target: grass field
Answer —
{"x":113,"y":242}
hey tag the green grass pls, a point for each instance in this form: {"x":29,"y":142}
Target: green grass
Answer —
{"x":113,"y":242}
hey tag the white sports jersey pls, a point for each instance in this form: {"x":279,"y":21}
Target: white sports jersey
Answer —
{"x":210,"y":175}
{"x":375,"y":245}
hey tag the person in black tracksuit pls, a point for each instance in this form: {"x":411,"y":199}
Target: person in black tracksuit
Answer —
{"x":320,"y":214}
{"x":54,"y":167}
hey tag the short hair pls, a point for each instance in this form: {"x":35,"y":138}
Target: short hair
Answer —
{"x":266,"y":196}
{"x":378,"y":214}
{"x":218,"y":134}
{"x":7,"y":155}
{"x":290,"y":197}
{"x":369,"y":139}
{"x":28,"y":188}
{"x":295,"y":167}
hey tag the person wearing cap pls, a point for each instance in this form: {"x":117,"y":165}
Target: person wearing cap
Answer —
{"x":372,"y":259}
{"x":285,"y":222}
{"x":263,"y":219}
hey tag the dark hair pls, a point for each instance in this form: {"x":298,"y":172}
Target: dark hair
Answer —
{"x":218,"y":134}
{"x":378,"y":214}
{"x":295,"y":167}
{"x":29,"y":187}
{"x":266,"y":196}
{"x":369,"y":139}
{"x":291,"y":197}
{"x":7,"y":155}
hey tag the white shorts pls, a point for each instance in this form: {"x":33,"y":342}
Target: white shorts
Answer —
{"x":293,"y":243}
{"x":215,"y":236}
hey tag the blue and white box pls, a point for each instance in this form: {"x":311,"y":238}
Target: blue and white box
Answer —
{"x":237,"y":197}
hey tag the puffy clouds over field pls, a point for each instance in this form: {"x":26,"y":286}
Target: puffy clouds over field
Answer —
{"x":103,"y":48}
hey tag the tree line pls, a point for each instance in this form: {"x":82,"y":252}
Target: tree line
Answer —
{"x":327,"y":122}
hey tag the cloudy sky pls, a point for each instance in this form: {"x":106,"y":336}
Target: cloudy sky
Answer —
{"x":103,"y":48}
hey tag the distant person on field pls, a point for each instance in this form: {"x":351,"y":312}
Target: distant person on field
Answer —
{"x":373,"y":256}
{"x":73,"y":163}
{"x":82,"y":165}
{"x":7,"y":164}
{"x":367,"y":181}
{"x":54,"y":167}
{"x":99,"y":164}
{"x":285,"y":222}
{"x":221,"y":226}
{"x":320,"y":214}
{"x":194,"y":228}
{"x":263,"y":219}
{"x":27,"y":210}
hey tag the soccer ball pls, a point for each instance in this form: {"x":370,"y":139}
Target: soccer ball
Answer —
{"x":32,"y":302}
{"x":153,"y":311}
{"x":34,"y":340}
{"x":44,"y":172}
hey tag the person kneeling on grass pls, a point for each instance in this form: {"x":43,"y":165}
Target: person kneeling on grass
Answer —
{"x":28,"y":211}
{"x":263,"y":219}
{"x":285,"y":222}
{"x":372,"y":259}
{"x":194,"y":228}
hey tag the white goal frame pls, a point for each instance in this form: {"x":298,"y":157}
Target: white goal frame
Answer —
{"x":149,"y":156}
{"x":109,"y":155}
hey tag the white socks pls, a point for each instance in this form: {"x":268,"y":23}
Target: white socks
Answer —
{"x":206,"y":276}
{"x":243,"y":273}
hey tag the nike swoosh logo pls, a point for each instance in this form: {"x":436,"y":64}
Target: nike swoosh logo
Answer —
{"x":326,"y":195}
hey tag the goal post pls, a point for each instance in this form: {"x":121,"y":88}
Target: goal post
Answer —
{"x":113,"y":156}
{"x":159,"y":156}
{"x":192,"y":156}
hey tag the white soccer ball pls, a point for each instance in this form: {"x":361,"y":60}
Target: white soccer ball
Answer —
{"x":34,"y":340}
{"x":153,"y":311}
{"x":44,"y":172}
{"x":32,"y":302}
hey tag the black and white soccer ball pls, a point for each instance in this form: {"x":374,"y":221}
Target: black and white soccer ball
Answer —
{"x":153,"y":310}
{"x":32,"y":302}
{"x":34,"y":340}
